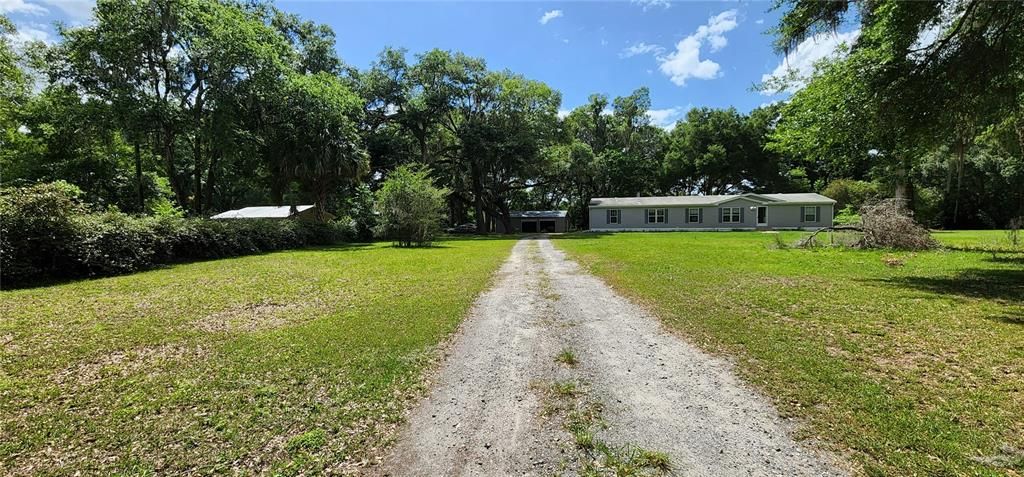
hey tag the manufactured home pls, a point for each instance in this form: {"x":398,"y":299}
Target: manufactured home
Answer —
{"x":712,"y":212}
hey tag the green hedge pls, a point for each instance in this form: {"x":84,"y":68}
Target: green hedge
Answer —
{"x":45,"y":233}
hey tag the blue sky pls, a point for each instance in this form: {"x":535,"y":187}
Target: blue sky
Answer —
{"x":688,"y":53}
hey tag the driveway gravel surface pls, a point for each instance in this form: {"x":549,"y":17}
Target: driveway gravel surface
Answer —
{"x":485,"y":412}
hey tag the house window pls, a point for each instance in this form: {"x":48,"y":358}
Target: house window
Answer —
{"x":810,"y":214}
{"x":656,"y":216}
{"x":694,"y":215}
{"x":730,"y":215}
{"x":613,"y":216}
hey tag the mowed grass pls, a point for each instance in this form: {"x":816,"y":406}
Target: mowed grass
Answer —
{"x":911,"y":363}
{"x":977,"y":239}
{"x":285,"y":363}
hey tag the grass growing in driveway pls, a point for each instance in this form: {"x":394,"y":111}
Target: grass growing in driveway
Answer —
{"x":289,"y":362}
{"x":913,"y":361}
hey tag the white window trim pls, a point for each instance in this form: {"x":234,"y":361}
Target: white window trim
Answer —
{"x":659,"y":213}
{"x":694,"y":215}
{"x":727,"y":215}
{"x":811,"y":212}
{"x":614,"y":216}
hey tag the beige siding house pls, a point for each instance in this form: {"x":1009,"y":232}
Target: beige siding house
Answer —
{"x":712,"y":212}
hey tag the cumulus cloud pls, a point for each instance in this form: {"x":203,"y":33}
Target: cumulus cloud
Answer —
{"x":645,"y":4}
{"x":548,"y":16}
{"x":665,"y":118}
{"x":799,"y":63}
{"x":20,"y":6}
{"x":30,"y":33}
{"x":685,"y":62}
{"x":77,"y":10}
{"x":640,"y":49}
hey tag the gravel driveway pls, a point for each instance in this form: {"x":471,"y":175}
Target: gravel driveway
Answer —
{"x":485,"y":414}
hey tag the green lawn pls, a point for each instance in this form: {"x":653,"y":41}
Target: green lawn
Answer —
{"x":279,"y":363}
{"x":912,"y":362}
{"x":997,"y":239}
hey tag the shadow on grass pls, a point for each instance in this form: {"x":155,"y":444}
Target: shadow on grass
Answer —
{"x":552,"y":236}
{"x":584,"y":234}
{"x":1001,"y":284}
{"x":474,"y":237}
{"x":1011,"y":260}
{"x":53,"y":281}
{"x":1017,"y":319}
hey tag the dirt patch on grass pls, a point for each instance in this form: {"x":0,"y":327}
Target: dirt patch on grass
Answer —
{"x":251,"y":317}
{"x":123,"y":363}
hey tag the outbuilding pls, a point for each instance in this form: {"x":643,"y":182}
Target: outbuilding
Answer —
{"x":712,"y":212}
{"x":535,"y":221}
{"x":298,"y":212}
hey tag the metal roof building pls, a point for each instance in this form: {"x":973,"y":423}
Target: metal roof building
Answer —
{"x":301,"y":212}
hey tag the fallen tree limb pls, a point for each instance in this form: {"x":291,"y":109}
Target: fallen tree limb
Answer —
{"x":810,"y":238}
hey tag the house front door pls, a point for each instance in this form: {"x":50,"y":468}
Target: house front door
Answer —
{"x":762,"y":216}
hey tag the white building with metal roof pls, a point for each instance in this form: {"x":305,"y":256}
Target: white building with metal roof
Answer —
{"x":299,"y":212}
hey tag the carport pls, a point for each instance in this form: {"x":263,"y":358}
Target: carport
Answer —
{"x":536,"y":221}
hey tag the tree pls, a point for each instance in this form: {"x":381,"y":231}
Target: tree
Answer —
{"x":316,"y":142}
{"x":169,"y":68}
{"x":410,"y":207}
{"x":720,"y":151}
{"x":921,"y":75}
{"x":14,"y":83}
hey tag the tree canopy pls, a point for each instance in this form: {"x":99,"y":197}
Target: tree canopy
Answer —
{"x":186,"y":107}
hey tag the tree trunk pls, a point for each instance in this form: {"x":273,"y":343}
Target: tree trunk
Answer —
{"x":505,"y":217}
{"x":170,"y":167}
{"x":138,"y":178}
{"x":197,"y":175}
{"x":197,"y":149}
{"x":478,"y":198}
{"x":421,"y":137}
{"x":211,"y":174}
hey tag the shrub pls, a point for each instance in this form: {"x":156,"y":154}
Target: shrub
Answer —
{"x":409,"y":207}
{"x":847,"y":216}
{"x":364,"y":220}
{"x":46,"y":233}
{"x":112,"y":243}
{"x":36,"y":226}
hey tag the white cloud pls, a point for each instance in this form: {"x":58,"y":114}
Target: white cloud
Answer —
{"x":652,"y":3}
{"x":685,"y":62}
{"x":759,"y":21}
{"x":563,"y":113}
{"x":548,"y":16}
{"x":30,"y":33}
{"x":800,"y":61}
{"x":640,"y":49}
{"x":665,"y":118}
{"x":77,"y":10}
{"x":20,"y":6}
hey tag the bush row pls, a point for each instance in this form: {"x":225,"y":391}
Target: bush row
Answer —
{"x":45,"y":233}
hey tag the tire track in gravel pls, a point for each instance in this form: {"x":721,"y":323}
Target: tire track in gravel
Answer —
{"x":485,"y":416}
